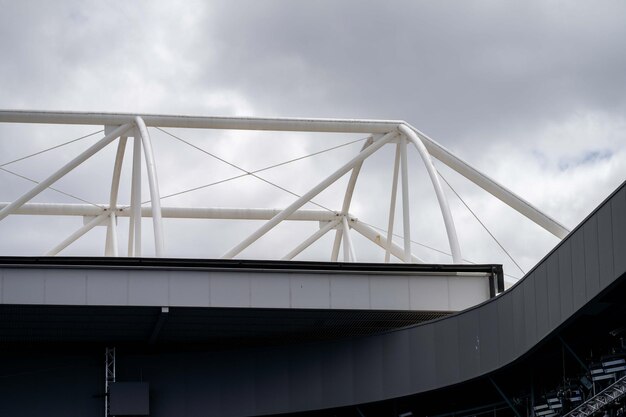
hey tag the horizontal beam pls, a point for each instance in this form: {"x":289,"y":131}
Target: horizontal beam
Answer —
{"x":54,"y":209}
{"x":202,"y":122}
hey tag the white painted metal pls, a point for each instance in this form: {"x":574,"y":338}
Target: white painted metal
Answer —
{"x":381,"y":131}
{"x":63,"y":170}
{"x":380,"y":240}
{"x":491,"y":186}
{"x":153,"y":182}
{"x":115,"y":186}
{"x":311,"y":239}
{"x":134,"y":226}
{"x":297,"y":125}
{"x":77,"y":234}
{"x":347,"y":199}
{"x":348,"y":254}
{"x":392,"y":204}
{"x":113,"y":236}
{"x":202,"y":122}
{"x":309,"y":195}
{"x":406,"y":215}
{"x":216,"y":213}
{"x":441,"y":197}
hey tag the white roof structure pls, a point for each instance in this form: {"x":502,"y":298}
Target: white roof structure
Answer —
{"x":133,"y":129}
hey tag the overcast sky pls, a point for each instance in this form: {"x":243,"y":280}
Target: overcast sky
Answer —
{"x":532,"y":93}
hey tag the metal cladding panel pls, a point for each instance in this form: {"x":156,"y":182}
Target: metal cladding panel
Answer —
{"x":243,"y":400}
{"x":519,"y":323}
{"x":202,"y":394}
{"x":272,"y":381}
{"x":579,"y":283}
{"x":618,"y":212}
{"x":469,"y":344}
{"x":270,"y":292}
{"x":554,"y":290}
{"x":104,"y":288}
{"x":308,"y":293}
{"x":422,"y":359}
{"x":196,"y":290}
{"x":23,"y":286}
{"x":368,"y":380}
{"x":447,"y":354}
{"x":230,"y":291}
{"x":541,"y":301}
{"x":489,"y":342}
{"x":337,"y":373}
{"x":396,"y":374}
{"x":169,"y":395}
{"x":505,"y":329}
{"x":530,"y":309}
{"x":349,"y":292}
{"x":69,"y":287}
{"x":306,"y":386}
{"x":605,"y":245}
{"x":149,"y":287}
{"x":592,"y":260}
{"x":564,"y":254}
{"x":68,"y":390}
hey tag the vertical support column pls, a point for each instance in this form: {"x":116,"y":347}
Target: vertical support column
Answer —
{"x":113,"y":236}
{"x":441,"y":197}
{"x":348,"y":249}
{"x":153,"y":183}
{"x":134,"y":224}
{"x":115,"y":186}
{"x":406,"y":215}
{"x":392,"y":204}
{"x":109,"y":376}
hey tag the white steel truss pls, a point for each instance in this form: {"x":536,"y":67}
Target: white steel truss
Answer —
{"x":124,"y":127}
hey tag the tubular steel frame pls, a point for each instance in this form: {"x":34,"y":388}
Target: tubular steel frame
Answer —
{"x":122,"y":127}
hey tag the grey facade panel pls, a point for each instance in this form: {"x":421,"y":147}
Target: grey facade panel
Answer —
{"x":422,"y":358}
{"x":618,"y":208}
{"x":519,"y":323}
{"x":337,"y":373}
{"x":204,"y":397}
{"x":566,"y":284}
{"x":469,"y":345}
{"x":530,"y":309}
{"x":592,"y":260}
{"x":447,"y":354}
{"x":368,"y":380}
{"x":577,"y":241}
{"x":396,"y":373}
{"x":244,"y":400}
{"x":605,"y":245}
{"x":542,"y":301}
{"x":307,"y":388}
{"x":489,"y":341}
{"x":554,"y":290}
{"x":272,"y":381}
{"x":505,"y":329}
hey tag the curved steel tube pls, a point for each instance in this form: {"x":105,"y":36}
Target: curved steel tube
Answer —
{"x":153,"y":182}
{"x":441,"y":197}
{"x":347,"y":199}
